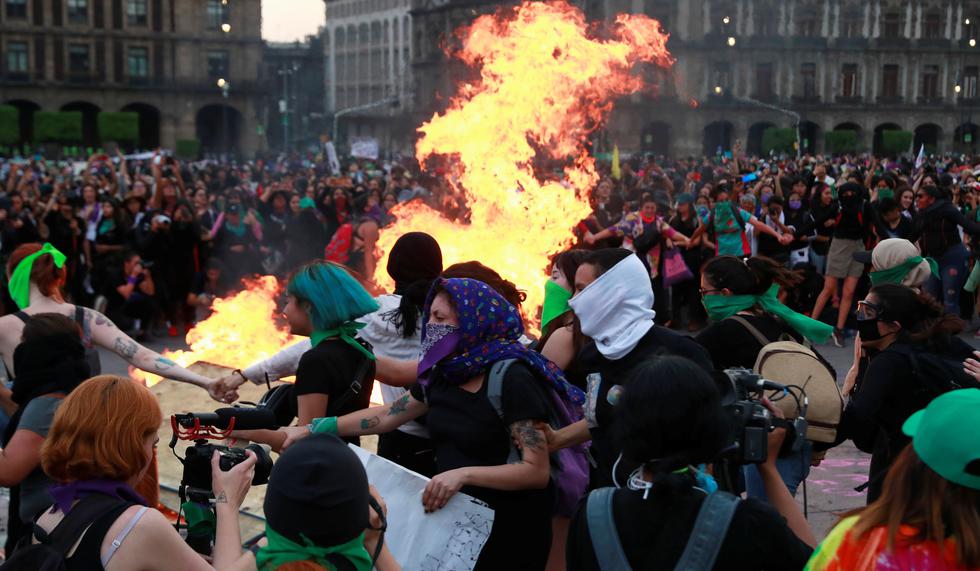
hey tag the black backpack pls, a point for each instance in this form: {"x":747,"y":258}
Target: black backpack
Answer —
{"x":937,"y":374}
{"x":51,"y":553}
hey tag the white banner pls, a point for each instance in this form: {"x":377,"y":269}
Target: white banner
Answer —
{"x":364,"y":149}
{"x":449,"y":539}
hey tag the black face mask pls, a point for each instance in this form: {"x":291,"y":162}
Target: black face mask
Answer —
{"x":868,"y":330}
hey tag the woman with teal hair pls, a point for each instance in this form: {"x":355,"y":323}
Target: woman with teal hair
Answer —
{"x":335,"y":376}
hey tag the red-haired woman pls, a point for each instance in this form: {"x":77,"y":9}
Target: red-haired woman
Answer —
{"x":36,"y":278}
{"x":100,"y":445}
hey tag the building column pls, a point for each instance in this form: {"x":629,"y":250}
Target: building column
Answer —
{"x":908,"y":19}
{"x":825,"y":25}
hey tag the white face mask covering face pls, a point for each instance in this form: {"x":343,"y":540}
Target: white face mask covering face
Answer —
{"x":615,"y":310}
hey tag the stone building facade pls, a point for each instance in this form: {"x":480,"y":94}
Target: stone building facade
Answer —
{"x":159,"y":58}
{"x":294,"y":107}
{"x":868,"y":66}
{"x":368,"y":49}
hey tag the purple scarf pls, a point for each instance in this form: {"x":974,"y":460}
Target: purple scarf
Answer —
{"x":66,"y":494}
{"x":489,"y":331}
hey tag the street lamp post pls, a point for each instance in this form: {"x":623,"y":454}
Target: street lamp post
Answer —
{"x":286,"y":72}
{"x":796,"y":117}
{"x":225,"y":87}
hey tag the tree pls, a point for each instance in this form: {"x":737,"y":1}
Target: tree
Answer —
{"x":896,"y":142}
{"x":778,"y":140}
{"x":123,"y":126}
{"x":840,"y":142}
{"x":9,"y":124}
{"x":58,"y":126}
{"x":188,"y":148}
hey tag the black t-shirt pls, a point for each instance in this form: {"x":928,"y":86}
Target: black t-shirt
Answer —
{"x":466,"y":430}
{"x":730,"y":344}
{"x":329,"y":369}
{"x":654,"y":532}
{"x":657,"y":341}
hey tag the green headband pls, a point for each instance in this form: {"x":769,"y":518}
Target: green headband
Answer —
{"x":20,"y":280}
{"x":897,"y":274}
{"x":282,"y":550}
{"x":724,"y":306}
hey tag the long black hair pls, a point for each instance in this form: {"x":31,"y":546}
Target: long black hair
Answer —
{"x":922,"y":318}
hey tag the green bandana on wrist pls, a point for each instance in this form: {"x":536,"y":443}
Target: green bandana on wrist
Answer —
{"x":724,"y":306}
{"x":555,"y":302}
{"x":282,"y":550}
{"x":346,"y":332}
{"x":20,"y":280}
{"x":897,"y":274}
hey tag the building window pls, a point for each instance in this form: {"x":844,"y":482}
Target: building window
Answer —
{"x":16,"y":9}
{"x":849,"y":80}
{"x":217,"y":14}
{"x":892,"y":25}
{"x":136,"y":12}
{"x":138,"y":60}
{"x":969,"y":87}
{"x":78,"y":59}
{"x":808,"y":72}
{"x":809,"y":26}
{"x":889,"y":81}
{"x":78,"y":11}
{"x":851,"y":26}
{"x":930,"y":82}
{"x":218,"y":64}
{"x":17,"y":57}
{"x":932,"y":27}
{"x":763,"y":81}
{"x":765,"y":24}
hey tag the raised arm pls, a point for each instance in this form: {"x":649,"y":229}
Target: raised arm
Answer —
{"x":107,"y":335}
{"x":374,"y":420}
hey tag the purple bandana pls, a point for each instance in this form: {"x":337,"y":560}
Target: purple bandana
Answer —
{"x":65,"y":495}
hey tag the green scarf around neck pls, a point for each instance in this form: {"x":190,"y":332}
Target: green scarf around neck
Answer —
{"x":555,"y":302}
{"x":282,"y":550}
{"x":897,"y":274}
{"x":20,"y":280}
{"x":724,"y":306}
{"x":346,"y":332}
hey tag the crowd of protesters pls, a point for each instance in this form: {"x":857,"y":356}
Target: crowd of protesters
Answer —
{"x":598,"y":446}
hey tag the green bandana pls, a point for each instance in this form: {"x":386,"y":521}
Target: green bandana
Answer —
{"x":897,"y":274}
{"x":555,"y":302}
{"x":346,"y":331}
{"x":282,"y":550}
{"x":724,"y":306}
{"x":200,"y":519}
{"x":306,"y":202}
{"x":20,"y":280}
{"x":884,"y":193}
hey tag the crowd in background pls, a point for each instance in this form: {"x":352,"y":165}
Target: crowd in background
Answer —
{"x":151,"y":241}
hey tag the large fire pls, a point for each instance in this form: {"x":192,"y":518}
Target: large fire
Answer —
{"x":547,"y":81}
{"x":240,"y":330}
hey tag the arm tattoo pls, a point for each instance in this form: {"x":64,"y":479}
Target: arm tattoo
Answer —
{"x":125,"y":347}
{"x":527,"y":435}
{"x":100,"y":320}
{"x":399,"y":406}
{"x":163,"y":363}
{"x":221,"y":499}
{"x":369,"y":423}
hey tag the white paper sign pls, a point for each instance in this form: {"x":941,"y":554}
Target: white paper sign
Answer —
{"x":447,"y":540}
{"x":364,"y":149}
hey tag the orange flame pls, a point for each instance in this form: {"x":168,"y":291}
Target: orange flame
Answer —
{"x":240,"y":330}
{"x":547,"y":81}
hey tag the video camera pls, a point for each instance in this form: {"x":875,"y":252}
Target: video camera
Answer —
{"x":752,"y":421}
{"x":195,"y":482}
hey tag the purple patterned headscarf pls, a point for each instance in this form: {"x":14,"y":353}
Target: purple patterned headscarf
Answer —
{"x":489,"y":331}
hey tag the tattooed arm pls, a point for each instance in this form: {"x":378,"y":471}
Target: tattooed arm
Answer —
{"x":105,"y":334}
{"x":532,"y":473}
{"x":375,"y":420}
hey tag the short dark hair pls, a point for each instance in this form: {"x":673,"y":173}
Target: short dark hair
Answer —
{"x":605,"y":259}
{"x":670,"y":412}
{"x":886,"y":205}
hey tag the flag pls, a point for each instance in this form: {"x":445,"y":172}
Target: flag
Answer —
{"x":921,"y":159}
{"x":616,"y":172}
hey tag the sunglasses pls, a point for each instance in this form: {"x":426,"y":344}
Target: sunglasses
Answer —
{"x":867,"y":311}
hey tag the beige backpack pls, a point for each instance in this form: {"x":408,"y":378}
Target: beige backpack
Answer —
{"x":790,"y":363}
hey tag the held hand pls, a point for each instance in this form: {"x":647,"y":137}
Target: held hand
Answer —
{"x":293,"y":435}
{"x":972,"y":366}
{"x":442,"y":488}
{"x":221,"y":392}
{"x":231,"y":487}
{"x":549,"y":435}
{"x":589,"y":238}
{"x":786,"y":239}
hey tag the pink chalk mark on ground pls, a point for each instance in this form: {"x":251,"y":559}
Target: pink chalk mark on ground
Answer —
{"x":840,"y":484}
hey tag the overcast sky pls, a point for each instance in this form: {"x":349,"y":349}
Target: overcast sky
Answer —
{"x":289,"y":20}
